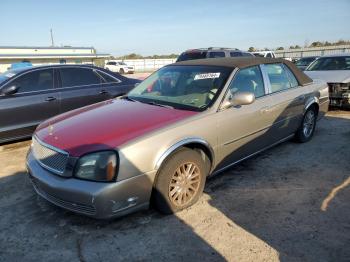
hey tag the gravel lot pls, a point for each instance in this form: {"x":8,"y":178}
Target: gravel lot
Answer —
{"x":290,"y":203}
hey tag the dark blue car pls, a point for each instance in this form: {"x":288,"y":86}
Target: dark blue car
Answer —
{"x":31,"y":95}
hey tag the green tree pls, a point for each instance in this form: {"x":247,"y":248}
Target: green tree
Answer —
{"x":280,"y":48}
{"x":251,"y":49}
{"x":316,"y":44}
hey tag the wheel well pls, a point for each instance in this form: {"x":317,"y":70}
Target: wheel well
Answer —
{"x":316,"y":106}
{"x":205,"y":152}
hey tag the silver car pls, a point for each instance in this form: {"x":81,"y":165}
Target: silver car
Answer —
{"x":335,"y":70}
{"x":159,"y":143}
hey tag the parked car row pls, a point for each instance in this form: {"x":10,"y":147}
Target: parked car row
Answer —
{"x":30,"y":95}
{"x":160,"y":142}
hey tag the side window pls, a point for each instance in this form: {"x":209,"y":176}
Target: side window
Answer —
{"x":278,"y":77}
{"x":108,"y":79}
{"x":247,"y":54}
{"x":34,"y":81}
{"x":78,"y":77}
{"x":235,"y":54}
{"x":216,"y":54}
{"x":248,"y":80}
{"x":293,"y":81}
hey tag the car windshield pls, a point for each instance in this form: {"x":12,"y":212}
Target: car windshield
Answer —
{"x":191,"y":56}
{"x":182,"y":87}
{"x":122,"y":63}
{"x":304,"y":61}
{"x":330,"y":63}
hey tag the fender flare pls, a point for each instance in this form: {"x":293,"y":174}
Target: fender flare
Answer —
{"x":181,"y":143}
{"x":311,"y":101}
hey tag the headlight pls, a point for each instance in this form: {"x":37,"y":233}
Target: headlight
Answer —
{"x":100,"y":166}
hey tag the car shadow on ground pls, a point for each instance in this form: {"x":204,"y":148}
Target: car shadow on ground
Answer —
{"x":278,"y":197}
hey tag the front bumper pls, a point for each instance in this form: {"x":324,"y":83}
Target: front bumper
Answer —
{"x":95,"y":199}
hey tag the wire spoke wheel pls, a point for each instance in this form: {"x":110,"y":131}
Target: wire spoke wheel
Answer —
{"x":184,"y":184}
{"x":309,"y":123}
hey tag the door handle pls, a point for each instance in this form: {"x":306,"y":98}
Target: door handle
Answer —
{"x":265,"y":109}
{"x":102,"y":92}
{"x":50,"y":98}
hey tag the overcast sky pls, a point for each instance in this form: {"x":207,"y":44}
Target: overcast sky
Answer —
{"x":164,"y":27}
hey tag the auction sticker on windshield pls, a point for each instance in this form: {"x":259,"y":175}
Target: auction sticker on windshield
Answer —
{"x":207,"y":76}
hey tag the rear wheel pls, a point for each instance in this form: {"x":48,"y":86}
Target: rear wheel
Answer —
{"x":180,"y":181}
{"x":307,"y":127}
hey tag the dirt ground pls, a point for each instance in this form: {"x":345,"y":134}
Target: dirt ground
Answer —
{"x":290,"y":203}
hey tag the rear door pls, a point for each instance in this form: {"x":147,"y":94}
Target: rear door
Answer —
{"x":79,"y":86}
{"x":35,"y":101}
{"x":287,"y":99}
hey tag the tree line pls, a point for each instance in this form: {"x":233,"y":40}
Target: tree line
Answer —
{"x":313,"y":44}
{"x":251,"y":49}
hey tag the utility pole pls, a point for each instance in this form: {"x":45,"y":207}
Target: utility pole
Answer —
{"x":52,"y":42}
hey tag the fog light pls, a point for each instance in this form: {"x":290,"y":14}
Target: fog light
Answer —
{"x":121,"y":205}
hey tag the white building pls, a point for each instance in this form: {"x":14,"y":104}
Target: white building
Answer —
{"x":48,"y":55}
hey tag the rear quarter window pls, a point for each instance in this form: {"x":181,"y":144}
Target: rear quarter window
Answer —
{"x":292,"y":79}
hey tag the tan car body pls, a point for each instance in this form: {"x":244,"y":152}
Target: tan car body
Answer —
{"x":224,"y":136}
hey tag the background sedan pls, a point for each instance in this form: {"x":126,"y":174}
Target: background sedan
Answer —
{"x":30,"y":95}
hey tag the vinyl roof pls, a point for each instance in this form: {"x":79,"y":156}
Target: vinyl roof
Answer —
{"x":244,"y":62}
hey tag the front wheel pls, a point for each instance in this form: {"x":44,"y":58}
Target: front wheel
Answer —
{"x":307,"y":127}
{"x":121,"y":71}
{"x":180,"y":181}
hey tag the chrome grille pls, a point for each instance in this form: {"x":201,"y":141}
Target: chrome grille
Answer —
{"x":49,"y":157}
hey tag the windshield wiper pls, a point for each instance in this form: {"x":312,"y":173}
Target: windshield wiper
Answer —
{"x":156,"y":104}
{"x":128,"y":98}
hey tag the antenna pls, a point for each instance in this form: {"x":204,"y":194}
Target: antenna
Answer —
{"x":52,"y":42}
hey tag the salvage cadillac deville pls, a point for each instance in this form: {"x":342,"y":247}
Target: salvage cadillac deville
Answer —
{"x":158,"y":143}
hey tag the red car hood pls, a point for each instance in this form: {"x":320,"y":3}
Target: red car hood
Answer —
{"x":105,"y":125}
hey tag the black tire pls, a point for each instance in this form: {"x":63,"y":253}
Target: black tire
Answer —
{"x":302,"y":135}
{"x":168,"y":176}
{"x":121,"y":71}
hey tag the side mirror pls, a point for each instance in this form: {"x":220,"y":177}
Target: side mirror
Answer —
{"x":239,"y":99}
{"x":9,"y":90}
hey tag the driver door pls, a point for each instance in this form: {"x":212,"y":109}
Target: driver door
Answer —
{"x":244,"y":130}
{"x":35,"y":101}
